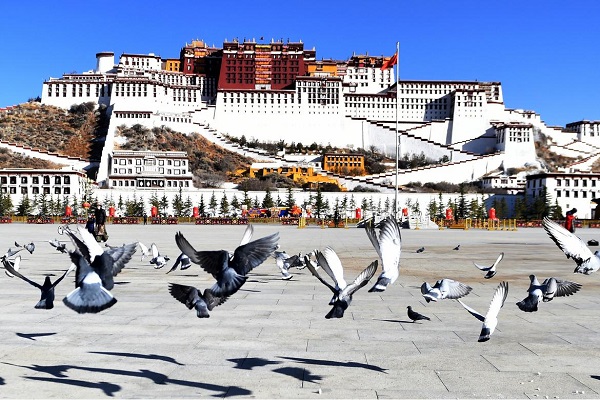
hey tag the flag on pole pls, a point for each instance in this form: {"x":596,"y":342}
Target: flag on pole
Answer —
{"x":390,"y":63}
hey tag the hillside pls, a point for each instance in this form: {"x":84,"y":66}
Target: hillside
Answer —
{"x":69,"y":133}
{"x":209,"y":163}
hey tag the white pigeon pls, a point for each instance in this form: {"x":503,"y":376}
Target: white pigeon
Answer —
{"x":388,"y":246}
{"x":444,"y":289}
{"x":490,"y":319}
{"x":144,"y":250}
{"x":573,"y":247}
{"x":548,"y":290}
{"x":62,"y":247}
{"x":491,"y":271}
{"x":331,"y":264}
{"x":182,"y":260}
{"x":158,"y":259}
{"x":342,"y":297}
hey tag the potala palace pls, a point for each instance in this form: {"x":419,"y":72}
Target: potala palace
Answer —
{"x":280,"y":91}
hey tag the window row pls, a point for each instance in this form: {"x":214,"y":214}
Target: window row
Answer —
{"x":34,"y":180}
{"x":35,"y":190}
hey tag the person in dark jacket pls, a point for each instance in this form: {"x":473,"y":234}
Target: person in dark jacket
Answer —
{"x":570,"y":220}
{"x":100,"y":217}
{"x":90,"y":225}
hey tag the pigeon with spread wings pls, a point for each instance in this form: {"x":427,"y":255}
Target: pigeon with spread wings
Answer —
{"x":388,"y":246}
{"x":548,"y":290}
{"x":194,"y":298}
{"x":342,"y":292}
{"x":47,"y":288}
{"x":573,"y":247}
{"x":229,"y":270}
{"x":95,"y":269}
{"x":491,"y":270}
{"x":444,"y":289}
{"x":490,"y":319}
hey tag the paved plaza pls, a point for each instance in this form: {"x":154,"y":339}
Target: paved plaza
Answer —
{"x":271,"y":340}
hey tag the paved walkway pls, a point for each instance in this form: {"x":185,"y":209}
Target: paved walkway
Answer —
{"x":271,"y":340}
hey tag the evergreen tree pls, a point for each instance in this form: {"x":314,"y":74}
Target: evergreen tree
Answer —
{"x":235,"y":203}
{"x":278,"y":201}
{"x":441,"y":209}
{"x":256,"y":203}
{"x":365,"y":206}
{"x":202,"y":206}
{"x":290,"y":201}
{"x":461,"y":211}
{"x":386,"y":205}
{"x":25,"y":207}
{"x":432,"y":209}
{"x":177,"y":204}
{"x":556,"y":211}
{"x":154,"y":200}
{"x":268,"y":199}
{"x":246,"y":200}
{"x":319,"y":203}
{"x":520,"y":211}
{"x":212,"y":204}
{"x":164,"y":205}
{"x":43,"y":204}
{"x":6,"y":205}
{"x":224,"y":206}
{"x":120,"y":203}
{"x":187,"y":206}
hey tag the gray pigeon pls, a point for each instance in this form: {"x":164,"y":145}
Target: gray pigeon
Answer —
{"x":573,"y":247}
{"x":158,"y":259}
{"x":47,"y":288}
{"x":230,"y":271}
{"x":62,"y":247}
{"x":95,"y":271}
{"x":490,"y":319}
{"x":415,"y":316}
{"x":342,"y":292}
{"x":444,"y":289}
{"x":491,"y":271}
{"x":183,"y":260}
{"x":193,"y":298}
{"x":548,"y":290}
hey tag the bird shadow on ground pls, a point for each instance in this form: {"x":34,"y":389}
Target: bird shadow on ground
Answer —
{"x":122,"y":283}
{"x":249,"y":290}
{"x":301,"y":374}
{"x":32,"y":336}
{"x":398,"y":321}
{"x":139,"y":355}
{"x":2,"y":381}
{"x":595,"y":377}
{"x":109,"y":389}
{"x":349,"y":364}
{"x":58,"y":371}
{"x":251,"y":362}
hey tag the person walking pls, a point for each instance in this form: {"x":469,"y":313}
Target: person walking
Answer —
{"x":90,"y":225}
{"x":100,"y":217}
{"x":570,"y":220}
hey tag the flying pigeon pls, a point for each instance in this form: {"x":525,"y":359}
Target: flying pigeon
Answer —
{"x":10,"y":252}
{"x":15,"y":264}
{"x":415,"y":316}
{"x":285,"y":262}
{"x":573,"y":247}
{"x":490,"y":319}
{"x":444,"y":289}
{"x":62,"y":247}
{"x":230,"y":270}
{"x":332,"y":265}
{"x":491,"y":271}
{"x":144,"y":250}
{"x":158,"y":259}
{"x":95,"y":269}
{"x":30,"y":247}
{"x":342,"y":296}
{"x":388,"y":246}
{"x":47,"y":288}
{"x":183,"y":260}
{"x":420,"y":250}
{"x":549,"y":289}
{"x":194,"y":298}
{"x":457,"y":247}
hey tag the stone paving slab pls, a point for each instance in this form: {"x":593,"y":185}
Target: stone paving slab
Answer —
{"x":271,"y":340}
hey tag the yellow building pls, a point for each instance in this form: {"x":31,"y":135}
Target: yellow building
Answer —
{"x":171,"y":64}
{"x":299,"y":174}
{"x":344,"y":164}
{"x":322,"y":68}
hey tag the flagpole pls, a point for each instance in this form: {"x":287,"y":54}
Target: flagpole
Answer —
{"x":397,"y":139}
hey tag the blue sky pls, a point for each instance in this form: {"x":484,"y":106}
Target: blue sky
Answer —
{"x":545,"y":53}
